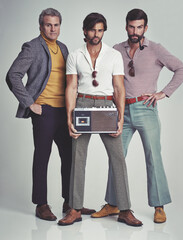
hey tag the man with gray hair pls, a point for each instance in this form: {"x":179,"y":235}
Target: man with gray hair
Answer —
{"x":43,"y":99}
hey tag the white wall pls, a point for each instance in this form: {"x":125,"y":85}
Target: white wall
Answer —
{"x":19,"y":23}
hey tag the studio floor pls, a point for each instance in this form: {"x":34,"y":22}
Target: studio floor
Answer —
{"x":17,"y":225}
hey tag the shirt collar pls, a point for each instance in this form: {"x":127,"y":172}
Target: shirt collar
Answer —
{"x":85,"y":52}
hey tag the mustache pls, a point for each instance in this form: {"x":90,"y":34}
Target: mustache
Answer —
{"x":137,"y":39}
{"x":95,"y":37}
{"x":86,"y":38}
{"x":135,"y":35}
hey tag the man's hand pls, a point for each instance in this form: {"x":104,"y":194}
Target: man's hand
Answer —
{"x":119,"y":130}
{"x":153,"y":98}
{"x":72,"y":131}
{"x":36,"y":108}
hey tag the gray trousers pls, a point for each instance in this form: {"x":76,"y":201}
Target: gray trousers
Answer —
{"x":116,"y":159}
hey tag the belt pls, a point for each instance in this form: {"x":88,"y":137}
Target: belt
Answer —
{"x":96,"y":97}
{"x":133,"y":100}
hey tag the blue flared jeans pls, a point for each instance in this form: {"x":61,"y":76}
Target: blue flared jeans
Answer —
{"x":145,"y":120}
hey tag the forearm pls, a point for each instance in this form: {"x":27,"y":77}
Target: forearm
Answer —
{"x":173,"y":64}
{"x":119,"y":99}
{"x":70,"y":98}
{"x":175,"y":82}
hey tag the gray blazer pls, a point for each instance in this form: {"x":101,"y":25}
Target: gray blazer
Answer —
{"x":35,"y":60}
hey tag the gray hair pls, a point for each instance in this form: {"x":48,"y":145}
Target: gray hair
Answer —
{"x":49,"y":12}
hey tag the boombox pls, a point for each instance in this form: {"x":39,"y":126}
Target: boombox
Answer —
{"x":95,"y":120}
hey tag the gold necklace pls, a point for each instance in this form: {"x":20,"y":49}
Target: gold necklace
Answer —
{"x":53,"y":51}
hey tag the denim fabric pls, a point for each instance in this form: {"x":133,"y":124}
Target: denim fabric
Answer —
{"x":146,"y":121}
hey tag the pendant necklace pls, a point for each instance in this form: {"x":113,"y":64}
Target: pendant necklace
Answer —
{"x":53,"y":51}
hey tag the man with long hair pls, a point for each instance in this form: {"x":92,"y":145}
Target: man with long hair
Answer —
{"x":95,"y":79}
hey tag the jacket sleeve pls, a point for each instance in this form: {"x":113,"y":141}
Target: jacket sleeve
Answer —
{"x":16,"y":73}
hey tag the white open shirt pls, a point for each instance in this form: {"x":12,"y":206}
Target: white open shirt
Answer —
{"x":109,"y":62}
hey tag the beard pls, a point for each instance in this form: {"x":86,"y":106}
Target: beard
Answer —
{"x":135,"y":40}
{"x":95,"y":43}
{"x":91,"y":40}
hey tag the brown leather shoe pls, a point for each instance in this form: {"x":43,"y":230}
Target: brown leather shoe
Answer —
{"x":107,"y":210}
{"x":159,"y":215}
{"x":71,"y":217}
{"x":87,"y":211}
{"x":128,"y":218}
{"x":84,"y":211}
{"x":45,"y":213}
{"x":66,"y":207}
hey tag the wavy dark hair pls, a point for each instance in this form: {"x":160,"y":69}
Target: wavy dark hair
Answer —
{"x":136,"y":14}
{"x":93,"y":18}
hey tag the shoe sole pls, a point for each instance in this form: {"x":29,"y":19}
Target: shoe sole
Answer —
{"x":112,"y":214}
{"x":133,"y":225}
{"x":159,"y":222}
{"x":66,"y":224}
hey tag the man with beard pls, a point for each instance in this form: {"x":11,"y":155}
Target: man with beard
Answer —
{"x":143,"y":61}
{"x":96,"y":71}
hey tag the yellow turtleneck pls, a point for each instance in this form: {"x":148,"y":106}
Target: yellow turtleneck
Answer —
{"x":54,"y":92}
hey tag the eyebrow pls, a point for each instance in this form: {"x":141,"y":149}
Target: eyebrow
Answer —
{"x":97,"y":29}
{"x":52,"y":24}
{"x":135,"y":26}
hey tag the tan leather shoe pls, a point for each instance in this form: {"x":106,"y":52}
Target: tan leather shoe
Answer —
{"x":128,"y":218}
{"x":159,"y":215}
{"x":45,"y":213}
{"x":71,"y":217}
{"x":107,"y":210}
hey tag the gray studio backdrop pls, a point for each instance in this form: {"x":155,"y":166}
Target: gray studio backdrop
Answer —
{"x":19,"y":23}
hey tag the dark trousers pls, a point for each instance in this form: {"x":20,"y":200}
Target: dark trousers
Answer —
{"x":48,"y":127}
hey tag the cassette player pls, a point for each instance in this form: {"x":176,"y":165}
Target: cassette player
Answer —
{"x":95,"y":120}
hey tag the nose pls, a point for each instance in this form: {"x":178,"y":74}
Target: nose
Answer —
{"x":96,"y":33}
{"x":135,"y":31}
{"x":52,"y":28}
